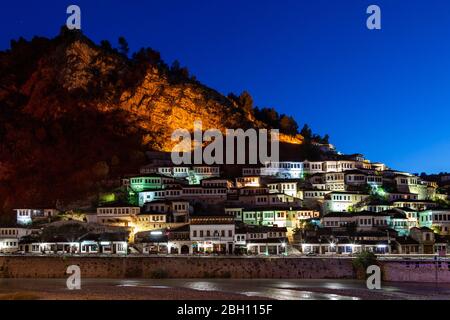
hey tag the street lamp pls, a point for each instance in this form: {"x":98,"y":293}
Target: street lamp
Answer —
{"x":389,"y":241}
{"x":283,"y":245}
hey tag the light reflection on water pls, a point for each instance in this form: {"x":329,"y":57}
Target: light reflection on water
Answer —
{"x":292,"y":289}
{"x":272,"y":289}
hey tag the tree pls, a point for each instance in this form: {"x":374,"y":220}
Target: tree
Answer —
{"x":106,"y":45}
{"x":363,"y":260}
{"x":178,"y":72}
{"x":101,"y":169}
{"x":246,"y":101}
{"x":306,"y":132}
{"x":288,"y":125}
{"x":123,"y":46}
{"x":176,"y":67}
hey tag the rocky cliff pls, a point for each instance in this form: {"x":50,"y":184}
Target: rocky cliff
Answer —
{"x":73,"y":113}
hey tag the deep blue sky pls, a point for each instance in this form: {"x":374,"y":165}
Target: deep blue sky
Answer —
{"x":382,"y":93}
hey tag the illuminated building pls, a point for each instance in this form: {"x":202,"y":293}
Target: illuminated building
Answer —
{"x":288,"y":186}
{"x":27,"y":216}
{"x":260,"y":240}
{"x":248,"y":181}
{"x":337,"y":201}
{"x":437,"y":219}
{"x":92,"y":243}
{"x":212,"y":234}
{"x":9,"y":238}
{"x":283,"y":169}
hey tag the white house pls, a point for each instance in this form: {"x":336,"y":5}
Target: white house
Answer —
{"x":342,"y":201}
{"x":26,"y":216}
{"x":212,"y":234}
{"x":9,"y":238}
{"x":438,"y":219}
{"x":258,"y":240}
{"x":283,"y":169}
{"x":288,"y":187}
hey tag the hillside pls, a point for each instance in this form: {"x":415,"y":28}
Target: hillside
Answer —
{"x":73,"y":113}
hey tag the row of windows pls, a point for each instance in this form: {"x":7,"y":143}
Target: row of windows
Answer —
{"x":284,"y":165}
{"x":146,"y":180}
{"x":118,"y":210}
{"x":441,"y":217}
{"x":206,"y":170}
{"x":252,"y":171}
{"x":204,"y":191}
{"x":314,"y":194}
{"x":343,"y":198}
{"x":267,"y":215}
{"x":153,"y":218}
{"x":402,"y":196}
{"x":264,"y":199}
{"x":361,"y":222}
{"x":215,"y":184}
{"x":179,"y":207}
{"x":408,"y":181}
{"x":175,"y":170}
{"x":10,"y":232}
{"x":157,"y":208}
{"x":313,"y":166}
{"x":283,"y":186}
{"x":10,"y":244}
{"x":375,"y":222}
{"x":333,"y":177}
{"x":210,"y":233}
{"x":356,"y":178}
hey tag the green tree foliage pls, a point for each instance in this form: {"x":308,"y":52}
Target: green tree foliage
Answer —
{"x":364,"y":259}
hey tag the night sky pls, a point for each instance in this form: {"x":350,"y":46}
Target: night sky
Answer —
{"x":384,"y":93}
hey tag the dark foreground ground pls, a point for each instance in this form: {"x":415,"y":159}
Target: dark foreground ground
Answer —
{"x":217,"y":289}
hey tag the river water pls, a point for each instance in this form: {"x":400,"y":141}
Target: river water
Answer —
{"x":291,"y":289}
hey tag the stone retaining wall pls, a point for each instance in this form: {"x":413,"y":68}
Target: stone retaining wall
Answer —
{"x":416,"y":271}
{"x":197,"y":267}
{"x":177,"y":267}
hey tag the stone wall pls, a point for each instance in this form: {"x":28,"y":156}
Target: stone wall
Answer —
{"x":177,"y":267}
{"x":416,"y":271}
{"x":197,"y":267}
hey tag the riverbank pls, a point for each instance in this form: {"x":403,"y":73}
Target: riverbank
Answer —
{"x":216,"y":289}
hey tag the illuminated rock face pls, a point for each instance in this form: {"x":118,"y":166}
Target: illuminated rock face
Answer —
{"x":108,"y":82}
{"x":75,"y":110}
